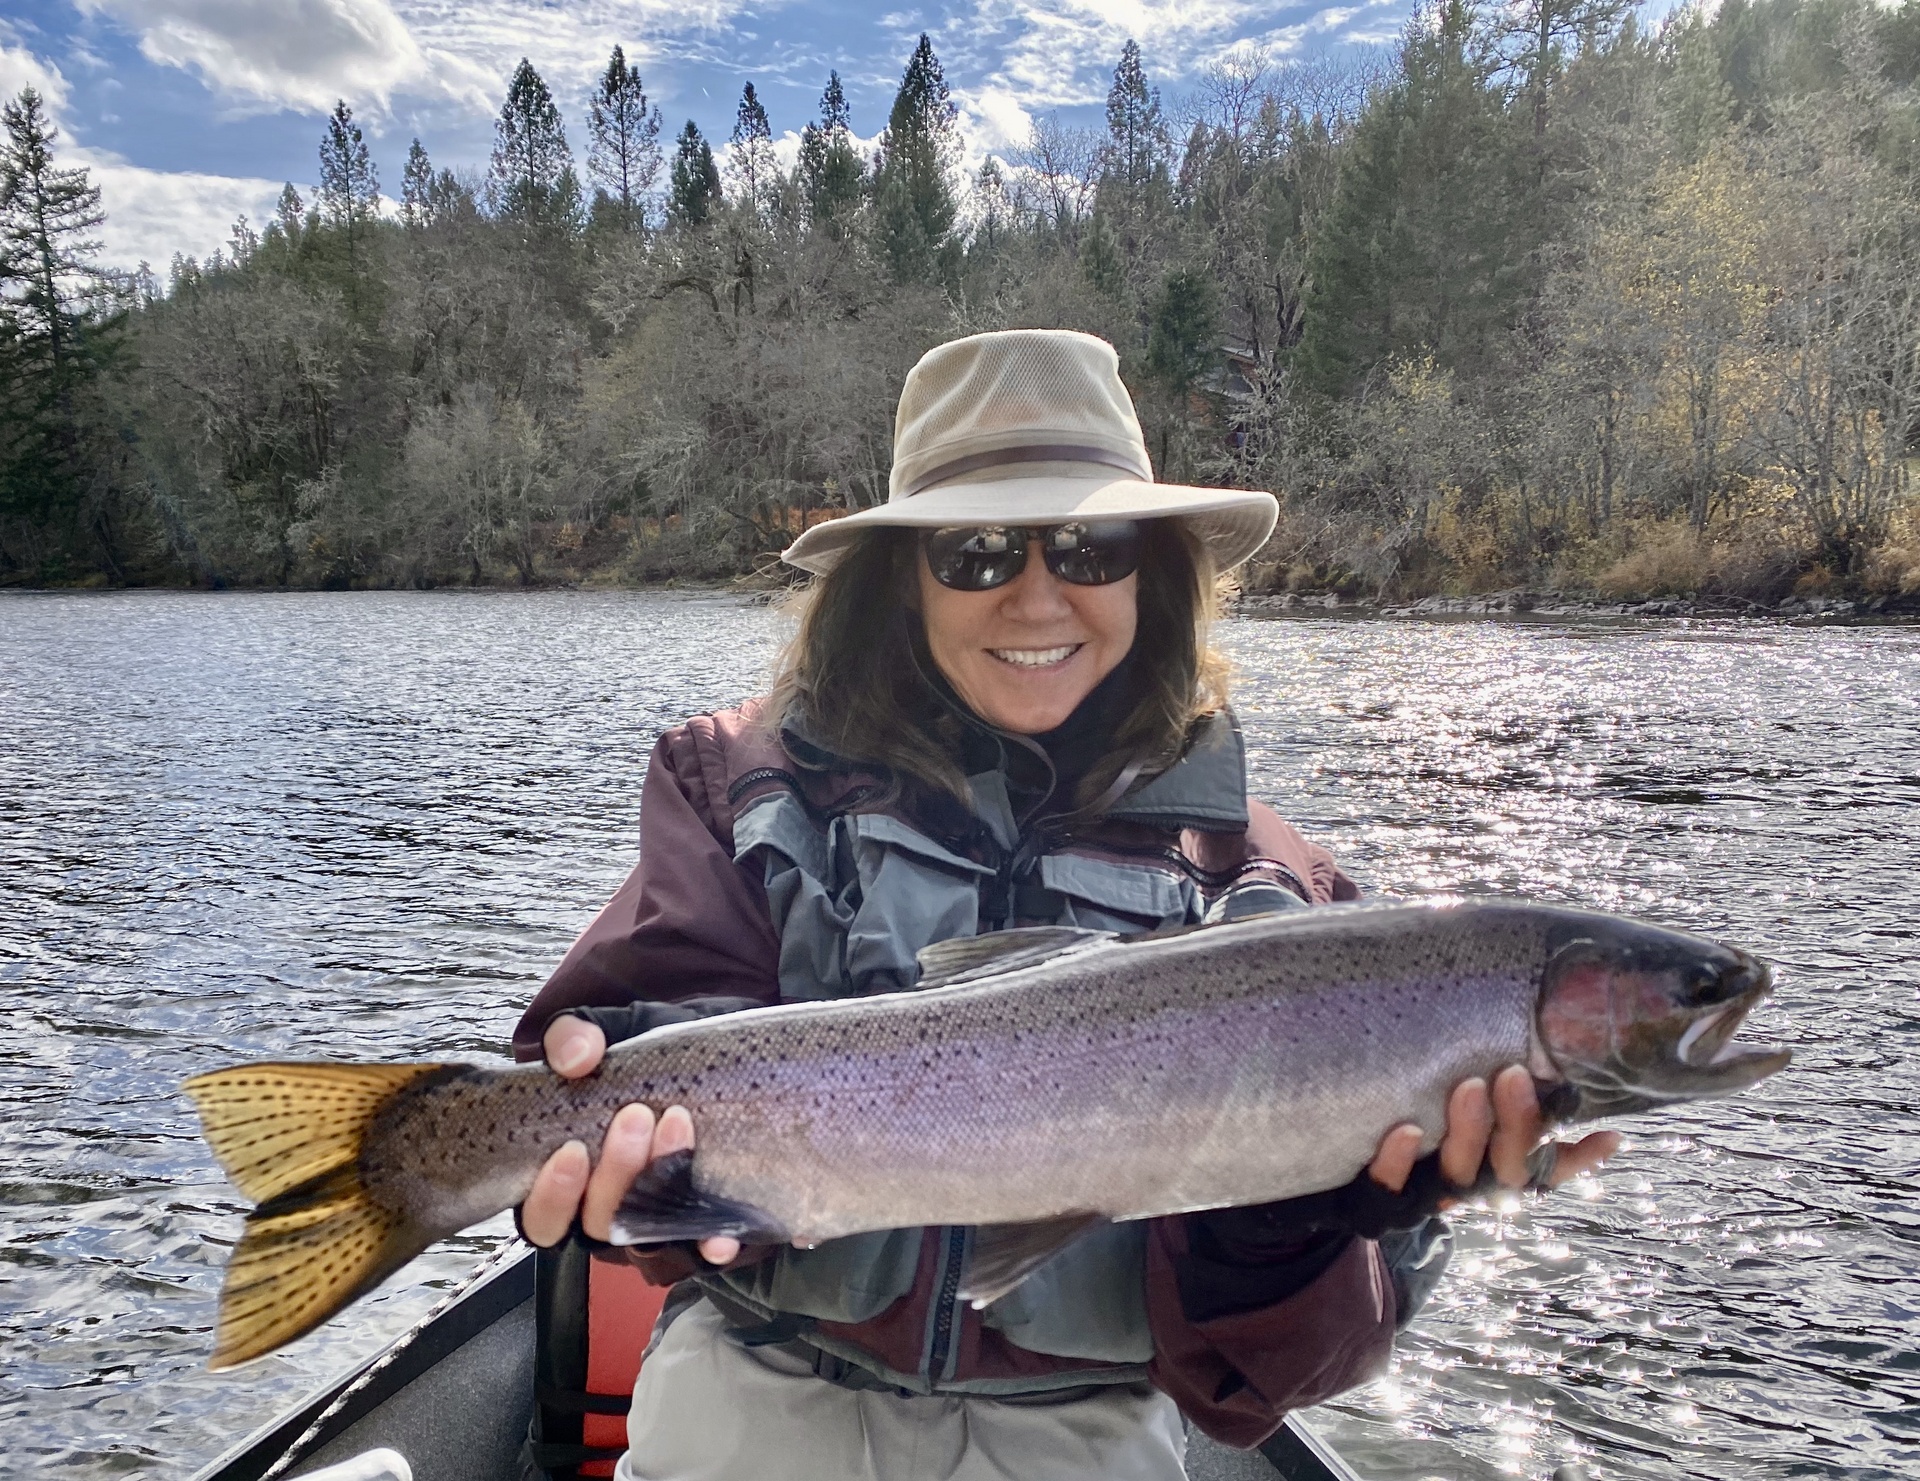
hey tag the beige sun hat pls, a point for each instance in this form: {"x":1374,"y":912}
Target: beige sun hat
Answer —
{"x":1031,"y":427}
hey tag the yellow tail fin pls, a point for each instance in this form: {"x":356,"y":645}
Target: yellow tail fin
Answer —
{"x":289,"y":1136}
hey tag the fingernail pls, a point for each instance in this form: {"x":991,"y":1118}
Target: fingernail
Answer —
{"x":633,"y":1125}
{"x":572,"y":1055}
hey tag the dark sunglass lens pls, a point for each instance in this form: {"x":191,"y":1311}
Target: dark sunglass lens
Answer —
{"x":1094,"y":553}
{"x":976,"y":559}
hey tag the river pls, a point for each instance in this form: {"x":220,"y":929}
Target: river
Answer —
{"x":247,"y":826}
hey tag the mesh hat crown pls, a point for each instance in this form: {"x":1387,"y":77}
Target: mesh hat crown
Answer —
{"x":1031,"y":426}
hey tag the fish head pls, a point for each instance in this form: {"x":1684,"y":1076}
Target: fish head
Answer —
{"x":1635,"y":1016}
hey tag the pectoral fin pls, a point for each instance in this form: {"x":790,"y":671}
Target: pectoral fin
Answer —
{"x":966,"y":958}
{"x":1003,"y":1255}
{"x":664,"y":1205}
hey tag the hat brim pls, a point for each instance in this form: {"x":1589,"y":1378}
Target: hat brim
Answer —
{"x":1232,"y":523}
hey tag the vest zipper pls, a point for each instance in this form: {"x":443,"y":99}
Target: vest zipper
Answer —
{"x":943,"y":1320}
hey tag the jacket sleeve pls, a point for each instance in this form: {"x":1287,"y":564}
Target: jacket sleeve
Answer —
{"x":1236,"y":1373}
{"x":688,"y":921}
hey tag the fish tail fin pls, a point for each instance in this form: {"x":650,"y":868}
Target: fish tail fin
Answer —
{"x":289,"y":1136}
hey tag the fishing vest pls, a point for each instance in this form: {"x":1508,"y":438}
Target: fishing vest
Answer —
{"x":857,"y":886}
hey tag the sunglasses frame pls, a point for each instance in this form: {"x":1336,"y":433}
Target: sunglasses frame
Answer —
{"x":1122,"y":530}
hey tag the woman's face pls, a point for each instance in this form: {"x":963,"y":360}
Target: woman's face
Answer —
{"x":1022,"y":656}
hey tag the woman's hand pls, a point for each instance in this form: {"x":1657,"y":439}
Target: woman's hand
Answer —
{"x":570,"y":1184}
{"x":1503,"y":1128}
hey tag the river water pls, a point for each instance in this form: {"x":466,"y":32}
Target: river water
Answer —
{"x":247,"y":826}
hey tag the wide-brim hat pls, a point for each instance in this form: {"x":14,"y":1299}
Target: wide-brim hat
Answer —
{"x":1031,"y":427}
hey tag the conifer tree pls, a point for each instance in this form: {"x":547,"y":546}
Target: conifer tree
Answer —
{"x":1100,"y":262}
{"x":751,"y":151}
{"x":695,"y":181}
{"x":1425,"y":245}
{"x":290,"y":212}
{"x":416,"y":187}
{"x":832,"y":174}
{"x":1183,"y":339}
{"x":913,"y":192}
{"x":625,"y":153}
{"x":57,"y":314}
{"x":349,"y":184}
{"x":1136,"y":133}
{"x":532,"y":180}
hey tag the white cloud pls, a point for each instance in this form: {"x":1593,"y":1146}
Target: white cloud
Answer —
{"x":152,"y":214}
{"x":993,"y":119}
{"x":1060,"y":53}
{"x":304,"y":54}
{"x":288,"y":53}
{"x":20,"y":68}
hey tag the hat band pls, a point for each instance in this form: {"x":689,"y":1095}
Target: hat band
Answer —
{"x":1039,"y":453}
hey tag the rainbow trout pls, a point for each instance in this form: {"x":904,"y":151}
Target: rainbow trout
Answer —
{"x":1040,"y":1080}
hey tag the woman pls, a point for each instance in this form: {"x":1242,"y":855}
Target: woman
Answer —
{"x":1000,"y":710}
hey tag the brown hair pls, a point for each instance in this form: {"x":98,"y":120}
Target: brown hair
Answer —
{"x":852,"y":670}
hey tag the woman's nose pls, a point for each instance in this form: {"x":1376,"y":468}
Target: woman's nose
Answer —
{"x":1036,"y":594}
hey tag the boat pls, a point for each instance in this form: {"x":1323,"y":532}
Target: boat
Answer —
{"x":454,"y":1399}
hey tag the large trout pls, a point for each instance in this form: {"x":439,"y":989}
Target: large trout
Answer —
{"x":1038,"y":1081}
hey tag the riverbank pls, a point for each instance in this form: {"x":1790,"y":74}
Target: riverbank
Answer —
{"x":1521,"y":603}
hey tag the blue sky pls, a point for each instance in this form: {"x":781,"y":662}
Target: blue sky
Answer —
{"x":192,"y":111}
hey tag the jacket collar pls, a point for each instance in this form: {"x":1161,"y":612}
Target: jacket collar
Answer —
{"x":1205,"y":789}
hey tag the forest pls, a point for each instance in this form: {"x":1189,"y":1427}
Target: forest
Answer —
{"x":1544,"y":297}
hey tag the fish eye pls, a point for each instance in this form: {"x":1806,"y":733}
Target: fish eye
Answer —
{"x":1701,"y":983}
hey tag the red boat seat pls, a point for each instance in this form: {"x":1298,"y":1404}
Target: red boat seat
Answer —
{"x":592,"y":1319}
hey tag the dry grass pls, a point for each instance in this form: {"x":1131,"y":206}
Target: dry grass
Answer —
{"x":1894,"y":569}
{"x":1672,"y":559}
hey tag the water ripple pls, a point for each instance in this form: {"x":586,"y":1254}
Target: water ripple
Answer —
{"x":261,"y":825}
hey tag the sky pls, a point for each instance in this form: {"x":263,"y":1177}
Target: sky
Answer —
{"x":190,"y":113}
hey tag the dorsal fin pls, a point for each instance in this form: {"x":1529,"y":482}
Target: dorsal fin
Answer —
{"x":965,"y":958}
{"x":1003,"y":1255}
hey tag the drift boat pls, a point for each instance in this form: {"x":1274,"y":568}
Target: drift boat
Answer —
{"x":515,"y":1380}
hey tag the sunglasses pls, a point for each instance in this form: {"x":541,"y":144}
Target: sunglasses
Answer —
{"x":981,"y":557}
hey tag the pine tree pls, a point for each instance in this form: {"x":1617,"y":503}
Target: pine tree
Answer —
{"x":913,"y":194}
{"x":695,"y":182}
{"x":625,"y":154}
{"x":1136,"y":134}
{"x":833,"y":177}
{"x":532,"y":179}
{"x":1183,"y":342}
{"x":1100,"y":262}
{"x":290,"y":213}
{"x":349,"y":184}
{"x":416,"y":188}
{"x":751,"y":151}
{"x":58,"y":315}
{"x":1425,"y":249}
{"x":451,"y":198}
{"x":993,"y":211}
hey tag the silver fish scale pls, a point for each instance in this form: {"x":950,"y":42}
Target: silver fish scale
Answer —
{"x":1243,"y":1063}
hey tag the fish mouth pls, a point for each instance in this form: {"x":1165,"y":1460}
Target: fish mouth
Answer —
{"x":1708,"y":1039}
{"x":1708,"y":1043}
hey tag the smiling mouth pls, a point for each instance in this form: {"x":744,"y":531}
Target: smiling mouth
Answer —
{"x":1036,"y":658}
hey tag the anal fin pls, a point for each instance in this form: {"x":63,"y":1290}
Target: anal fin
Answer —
{"x":1003,"y":1255}
{"x":663,"y":1205}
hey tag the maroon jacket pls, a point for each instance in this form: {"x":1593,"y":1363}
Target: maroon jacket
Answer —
{"x":691,"y":920}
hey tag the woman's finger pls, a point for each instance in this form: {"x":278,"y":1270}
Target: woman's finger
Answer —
{"x":1517,"y":1125}
{"x":624,"y":1154}
{"x":1573,"y":1158}
{"x":675,"y":1134}
{"x":1469,"y":1123}
{"x":1393,"y":1163}
{"x":573,"y":1047}
{"x":548,"y":1212}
